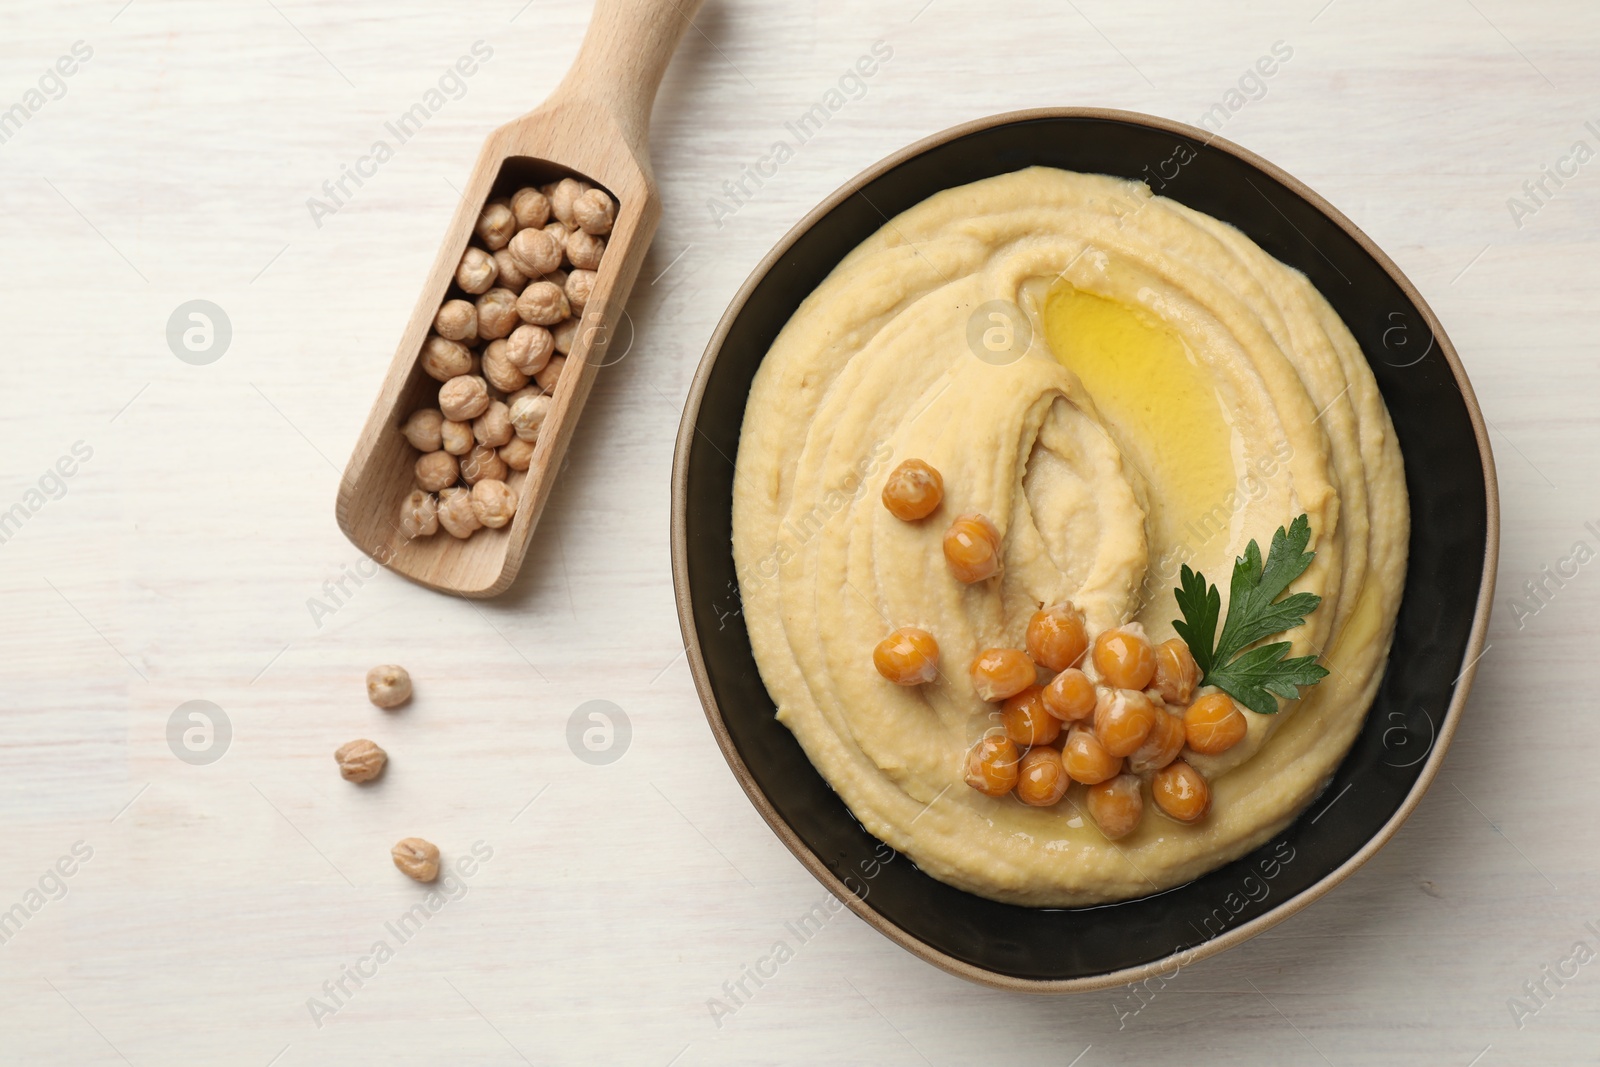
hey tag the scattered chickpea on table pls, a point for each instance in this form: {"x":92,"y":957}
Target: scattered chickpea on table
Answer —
{"x":498,"y":350}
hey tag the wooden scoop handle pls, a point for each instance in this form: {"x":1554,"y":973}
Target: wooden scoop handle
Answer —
{"x":624,"y":54}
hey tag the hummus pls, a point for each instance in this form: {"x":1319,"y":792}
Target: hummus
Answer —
{"x":1122,"y":385}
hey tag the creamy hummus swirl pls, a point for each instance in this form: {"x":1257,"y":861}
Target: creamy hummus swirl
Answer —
{"x":875,"y":367}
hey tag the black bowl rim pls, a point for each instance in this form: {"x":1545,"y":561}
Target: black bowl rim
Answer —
{"x":702,"y":680}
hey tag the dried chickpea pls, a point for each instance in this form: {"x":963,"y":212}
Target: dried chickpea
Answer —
{"x":483,"y":464}
{"x":517,"y":454}
{"x":497,"y":314}
{"x":1161,"y":747}
{"x":476,"y":272}
{"x":579,"y":289}
{"x":1214,"y":724}
{"x":436,"y":470}
{"x":421,"y":429}
{"x":493,"y":503}
{"x":1086,"y":759}
{"x":464,"y":398}
{"x":416,"y":859}
{"x":585,"y":249}
{"x":560,"y":231}
{"x":507,"y":274}
{"x":908,"y":656}
{"x":972,"y":548}
{"x":528,"y":414}
{"x":565,"y":336}
{"x":456,"y":437}
{"x":594,"y":212}
{"x":530,"y":207}
{"x":1056,"y":636}
{"x":1123,"y":657}
{"x":443,"y":359}
{"x":535,"y":251}
{"x":456,"y":514}
{"x":360,"y":761}
{"x":1123,"y":718}
{"x":1176,"y":672}
{"x":543,"y":304}
{"x":493,"y":427}
{"x":457,"y":320}
{"x":1025,"y":721}
{"x":992,"y":765}
{"x":998,"y":673}
{"x":419,"y":515}
{"x":503,"y":374}
{"x":551,"y":373}
{"x":913,"y":490}
{"x":1116,"y":805}
{"x":1042,"y":780}
{"x":563,"y":197}
{"x":496,"y":224}
{"x":529,"y":348}
{"x":388,"y":686}
{"x":1181,"y":791}
{"x":1070,"y":696}
{"x":527,"y":390}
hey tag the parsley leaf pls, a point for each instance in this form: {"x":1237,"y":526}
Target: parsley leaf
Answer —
{"x":1255,"y":678}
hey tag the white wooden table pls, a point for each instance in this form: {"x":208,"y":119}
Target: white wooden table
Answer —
{"x":207,"y":904}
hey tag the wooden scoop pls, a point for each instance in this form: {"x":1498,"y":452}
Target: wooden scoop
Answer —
{"x":595,"y":126}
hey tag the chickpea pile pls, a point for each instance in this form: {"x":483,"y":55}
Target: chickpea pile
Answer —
{"x":497,"y":348}
{"x":1111,"y":718}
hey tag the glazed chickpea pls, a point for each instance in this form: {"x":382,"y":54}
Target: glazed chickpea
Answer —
{"x":908,"y":656}
{"x":457,"y":320}
{"x":496,"y":224}
{"x":1025,"y":721}
{"x":972,"y":548}
{"x":1070,"y":696}
{"x":456,"y":437}
{"x":594,"y":212}
{"x":1041,"y":778}
{"x":1116,"y":806}
{"x":529,"y":348}
{"x":1181,"y":791}
{"x":389,"y":685}
{"x":543,"y":304}
{"x":535,"y":251}
{"x":517,"y":454}
{"x":913,"y":490}
{"x":419,"y":515}
{"x":421,"y":429}
{"x":992,"y":765}
{"x":507,"y":274}
{"x":493,"y":503}
{"x":476,"y":272}
{"x":563,"y":197}
{"x":530,"y":207}
{"x":1176,"y":672}
{"x":436,"y":470}
{"x":1161,"y":747}
{"x":998,"y":673}
{"x":565,"y":336}
{"x":551,"y":373}
{"x":497,"y":314}
{"x":456,"y":514}
{"x":464,"y":398}
{"x":443,"y":359}
{"x":1214,"y":724}
{"x":1123,"y":718}
{"x":483,"y":464}
{"x":528,"y":415}
{"x":1086,"y":759}
{"x":498,"y":368}
{"x":1056,"y":636}
{"x":579,"y":289}
{"x":585,"y":249}
{"x":1123,"y":657}
{"x":493,"y":427}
